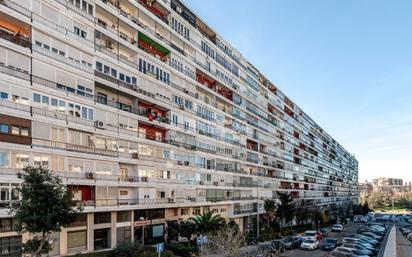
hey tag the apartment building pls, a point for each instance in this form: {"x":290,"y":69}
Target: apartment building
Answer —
{"x":149,"y":116}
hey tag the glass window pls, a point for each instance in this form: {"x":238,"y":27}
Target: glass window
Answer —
{"x":76,"y":239}
{"x":24,"y":131}
{"x":15,"y":130}
{"x":4,"y":159}
{"x":4,"y":128}
{"x":45,"y":100}
{"x":4,"y":95}
{"x":36,"y":98}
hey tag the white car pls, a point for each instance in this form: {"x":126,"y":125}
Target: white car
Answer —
{"x":310,"y":244}
{"x":409,"y":236}
{"x":337,"y":228}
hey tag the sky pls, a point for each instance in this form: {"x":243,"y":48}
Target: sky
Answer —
{"x":347,"y":64}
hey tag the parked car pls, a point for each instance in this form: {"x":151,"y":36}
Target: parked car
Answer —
{"x":342,"y":254}
{"x":310,"y":244}
{"x":291,"y":242}
{"x":324,"y":231}
{"x":409,"y":236}
{"x":329,"y":244}
{"x":372,"y":235}
{"x":366,"y":239}
{"x":354,"y":251}
{"x":278,"y":245}
{"x":360,"y":247}
{"x":312,"y":233}
{"x":337,"y":228}
{"x":357,"y":241}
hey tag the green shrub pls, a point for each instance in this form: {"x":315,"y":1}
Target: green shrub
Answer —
{"x":182,"y":249}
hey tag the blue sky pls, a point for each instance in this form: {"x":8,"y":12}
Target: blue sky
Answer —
{"x":348,"y":64}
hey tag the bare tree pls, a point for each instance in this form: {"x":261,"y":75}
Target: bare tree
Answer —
{"x":227,"y":242}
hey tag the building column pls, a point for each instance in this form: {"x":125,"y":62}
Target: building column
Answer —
{"x":90,"y":232}
{"x":63,"y":241}
{"x":132,"y":225}
{"x":113,"y":230}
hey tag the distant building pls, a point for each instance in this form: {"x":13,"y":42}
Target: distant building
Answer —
{"x":391,"y":186}
{"x":365,"y":189}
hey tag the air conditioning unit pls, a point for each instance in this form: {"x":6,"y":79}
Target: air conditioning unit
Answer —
{"x":145,"y":179}
{"x":135,"y":155}
{"x":216,"y":183}
{"x":135,"y":88}
{"x":99,"y":124}
{"x":90,"y":175}
{"x":109,"y":44}
{"x":179,"y":162}
{"x":197,"y":95}
{"x":201,"y":183}
{"x":178,"y":10}
{"x":185,"y":90}
{"x":186,"y":163}
{"x":182,"y":107}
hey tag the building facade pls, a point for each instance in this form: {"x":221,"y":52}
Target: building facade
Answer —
{"x":150,"y":116}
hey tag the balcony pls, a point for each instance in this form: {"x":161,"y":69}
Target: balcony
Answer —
{"x":153,"y":48}
{"x":150,"y":132}
{"x":83,"y":195}
{"x":205,"y":80}
{"x":14,"y":31}
{"x":251,"y":145}
{"x":157,"y":9}
{"x":152,"y":112}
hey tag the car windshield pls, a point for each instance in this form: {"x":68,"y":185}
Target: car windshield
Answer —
{"x":309,"y":241}
{"x":330,"y":240}
{"x":310,"y":233}
{"x":287,"y":239}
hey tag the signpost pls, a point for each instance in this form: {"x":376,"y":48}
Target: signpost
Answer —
{"x":160,"y":247}
{"x":200,"y":240}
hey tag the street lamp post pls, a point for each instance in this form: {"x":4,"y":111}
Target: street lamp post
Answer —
{"x":142,"y":219}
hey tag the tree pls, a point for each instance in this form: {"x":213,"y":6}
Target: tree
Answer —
{"x":285,"y":208}
{"x":207,"y":222}
{"x":186,"y":229}
{"x":316,"y":216}
{"x":46,"y":206}
{"x":270,"y":213}
{"x":227,"y":241}
{"x":301,"y":213}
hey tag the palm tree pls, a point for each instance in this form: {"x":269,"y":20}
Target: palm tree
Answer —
{"x":285,"y":209}
{"x":270,"y":213}
{"x":207,"y":222}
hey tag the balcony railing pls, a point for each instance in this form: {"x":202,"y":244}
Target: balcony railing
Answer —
{"x":17,"y":39}
{"x":63,"y":59}
{"x":73,"y":147}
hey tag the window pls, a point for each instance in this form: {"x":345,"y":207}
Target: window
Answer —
{"x":20,"y":160}
{"x":102,"y":217}
{"x":24,"y":131}
{"x":123,"y":216}
{"x":101,"y":98}
{"x":36,"y":98}
{"x":4,"y":159}
{"x":184,"y":211}
{"x":4,"y":129}
{"x":101,"y":238}
{"x":41,"y":161}
{"x":4,"y":95}
{"x":77,"y":239}
{"x":10,"y":246}
{"x":15,"y":130}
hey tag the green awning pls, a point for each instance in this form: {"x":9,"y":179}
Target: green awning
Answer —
{"x":153,"y":43}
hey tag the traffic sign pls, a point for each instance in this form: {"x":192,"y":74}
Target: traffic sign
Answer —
{"x":199,"y":240}
{"x":160,"y":247}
